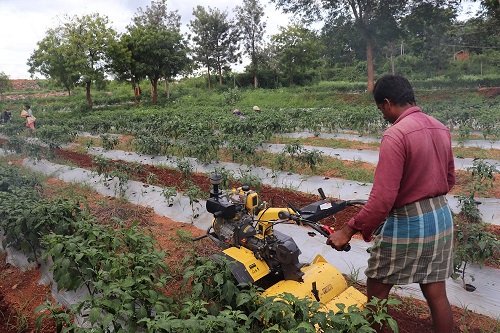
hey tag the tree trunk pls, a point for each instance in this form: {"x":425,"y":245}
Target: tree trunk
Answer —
{"x":87,"y":88}
{"x":369,"y":65}
{"x":220,"y":75}
{"x":154,"y":87}
{"x":137,"y":93}
{"x":208,"y":72}
{"x":255,"y":81}
{"x":167,"y":89}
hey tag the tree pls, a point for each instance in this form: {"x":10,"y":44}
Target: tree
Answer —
{"x":157,"y":48}
{"x":75,"y":52}
{"x":5,"y":83}
{"x":215,"y":39}
{"x":366,"y":15}
{"x":53,"y":59}
{"x":298,"y":51}
{"x":427,"y":28}
{"x":252,"y":28}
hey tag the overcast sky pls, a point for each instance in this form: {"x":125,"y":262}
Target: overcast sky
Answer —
{"x":24,"y":22}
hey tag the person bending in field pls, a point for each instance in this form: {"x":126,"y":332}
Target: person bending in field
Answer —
{"x":28,"y":114}
{"x":407,"y":212}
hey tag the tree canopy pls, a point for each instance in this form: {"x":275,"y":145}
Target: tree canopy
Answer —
{"x":75,"y":52}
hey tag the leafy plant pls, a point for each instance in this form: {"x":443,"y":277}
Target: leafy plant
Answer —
{"x":247,"y":178}
{"x":152,"y":178}
{"x":474,"y":244}
{"x":482,"y":176}
{"x":185,"y":167}
{"x":311,"y":158}
{"x":169,"y":193}
{"x":109,"y":142}
{"x":55,"y":135}
{"x":193,"y":192}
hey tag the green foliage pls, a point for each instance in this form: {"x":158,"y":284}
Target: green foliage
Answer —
{"x":151,"y":144}
{"x":5,"y":84}
{"x":232,"y":96}
{"x":124,"y":274}
{"x":25,"y":216}
{"x":311,"y":158}
{"x":474,"y":244}
{"x":121,"y":269}
{"x":247,"y":178}
{"x":109,"y":142}
{"x":468,"y":208}
{"x":482,"y":176}
{"x":185,"y":166}
{"x":55,"y":135}
{"x":169,"y":193}
{"x":193,"y":192}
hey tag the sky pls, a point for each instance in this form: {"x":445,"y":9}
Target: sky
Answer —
{"x":24,"y":22}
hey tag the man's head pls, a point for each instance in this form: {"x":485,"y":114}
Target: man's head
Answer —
{"x":393,"y":94}
{"x":395,"y":88}
{"x":27,"y":106}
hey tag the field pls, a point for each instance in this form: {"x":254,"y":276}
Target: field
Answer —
{"x":206,"y":130}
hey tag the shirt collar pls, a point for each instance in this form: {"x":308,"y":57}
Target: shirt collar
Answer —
{"x":407,"y":112}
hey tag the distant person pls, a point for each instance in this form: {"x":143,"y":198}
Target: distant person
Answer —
{"x":7,"y":116}
{"x":256,"y":109}
{"x":30,"y":118}
{"x":407,"y":212}
{"x":238,"y":113}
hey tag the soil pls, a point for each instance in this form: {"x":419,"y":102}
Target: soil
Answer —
{"x":20,"y":294}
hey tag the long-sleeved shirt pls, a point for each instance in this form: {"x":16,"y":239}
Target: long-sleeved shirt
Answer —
{"x":415,"y":162}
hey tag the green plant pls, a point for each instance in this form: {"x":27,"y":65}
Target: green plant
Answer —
{"x":109,"y":142}
{"x":184,"y":236}
{"x":473,"y":244}
{"x":185,"y":167}
{"x":482,"y":176}
{"x":193,"y":192}
{"x":226,"y":175}
{"x":311,"y":158}
{"x":468,"y":208}
{"x":60,"y":315}
{"x":121,"y":268}
{"x":151,"y":178}
{"x":293,"y":149}
{"x":55,"y":135}
{"x":247,"y":178}
{"x":231,"y":96}
{"x":169,"y":193}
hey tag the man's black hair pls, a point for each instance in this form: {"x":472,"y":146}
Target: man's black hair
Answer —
{"x":395,"y":88}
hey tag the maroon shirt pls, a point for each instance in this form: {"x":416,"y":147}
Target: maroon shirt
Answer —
{"x":415,"y":162}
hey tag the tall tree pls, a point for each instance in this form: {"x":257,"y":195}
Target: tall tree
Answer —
{"x":365,"y":14}
{"x":298,"y":51}
{"x":78,"y":50}
{"x":427,"y":35}
{"x":252,"y":28}
{"x":158,"y":49}
{"x":54,"y":59}
{"x":216,"y":40}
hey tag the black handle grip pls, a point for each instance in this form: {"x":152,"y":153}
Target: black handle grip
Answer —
{"x":346,"y":248}
{"x":322,"y":193}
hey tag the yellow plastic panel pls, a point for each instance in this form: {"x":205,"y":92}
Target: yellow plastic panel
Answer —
{"x":256,"y":268}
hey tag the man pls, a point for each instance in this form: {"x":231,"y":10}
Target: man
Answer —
{"x":407,"y":211}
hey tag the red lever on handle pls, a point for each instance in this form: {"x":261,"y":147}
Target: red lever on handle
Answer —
{"x":330,"y":231}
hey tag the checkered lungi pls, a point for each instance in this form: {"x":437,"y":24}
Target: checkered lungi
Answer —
{"x":415,"y":244}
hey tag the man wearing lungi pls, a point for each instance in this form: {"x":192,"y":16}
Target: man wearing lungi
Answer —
{"x":407,"y":214}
